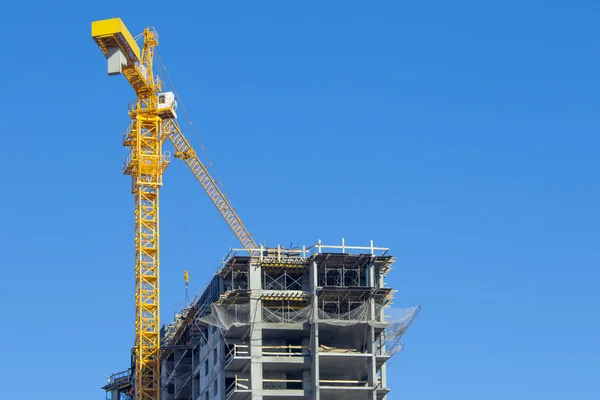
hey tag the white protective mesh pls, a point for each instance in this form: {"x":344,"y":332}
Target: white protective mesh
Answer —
{"x":286,"y":314}
{"x":334,"y":316}
{"x":227,"y":316}
{"x":399,"y":321}
{"x":236,"y":315}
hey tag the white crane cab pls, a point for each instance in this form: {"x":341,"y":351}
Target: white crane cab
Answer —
{"x":167,"y":105}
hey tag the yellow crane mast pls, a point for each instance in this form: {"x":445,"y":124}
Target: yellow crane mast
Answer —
{"x":153,"y":120}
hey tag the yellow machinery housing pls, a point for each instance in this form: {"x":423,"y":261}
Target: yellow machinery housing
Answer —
{"x":113,"y":32}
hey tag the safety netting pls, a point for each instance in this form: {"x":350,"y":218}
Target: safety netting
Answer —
{"x":227,"y":316}
{"x":336,"y":314}
{"x":286,"y":314}
{"x":399,"y":321}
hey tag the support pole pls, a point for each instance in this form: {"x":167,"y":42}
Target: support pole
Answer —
{"x":315,"y":333}
{"x":256,"y":341}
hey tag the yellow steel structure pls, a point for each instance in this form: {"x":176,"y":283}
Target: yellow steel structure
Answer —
{"x":113,"y":32}
{"x":146,"y":163}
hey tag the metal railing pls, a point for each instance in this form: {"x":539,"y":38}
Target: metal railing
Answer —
{"x":126,"y":135}
{"x":132,"y":107}
{"x":158,"y":83}
{"x":285,"y":351}
{"x":242,"y":350}
{"x":277,"y":384}
{"x":165,"y":160}
{"x":305,"y":252}
{"x":238,"y":350}
{"x":237,"y":384}
{"x":342,"y":382}
{"x":127,"y":162}
{"x":120,"y":376}
{"x":119,"y":380}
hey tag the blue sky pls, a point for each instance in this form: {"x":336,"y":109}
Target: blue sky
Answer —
{"x":462,"y":135}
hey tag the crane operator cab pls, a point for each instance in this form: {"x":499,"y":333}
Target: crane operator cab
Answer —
{"x":167,"y":105}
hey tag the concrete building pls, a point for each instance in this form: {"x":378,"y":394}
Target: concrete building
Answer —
{"x":278,"y":323}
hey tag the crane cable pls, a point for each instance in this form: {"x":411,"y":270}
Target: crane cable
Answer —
{"x":185,"y":209}
{"x":180,"y":103}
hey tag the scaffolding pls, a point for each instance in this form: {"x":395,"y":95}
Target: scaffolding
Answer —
{"x":285,"y":311}
{"x":282,"y":278}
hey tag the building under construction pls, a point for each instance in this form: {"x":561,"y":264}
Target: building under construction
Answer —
{"x":278,"y":323}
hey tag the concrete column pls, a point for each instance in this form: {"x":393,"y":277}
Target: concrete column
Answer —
{"x":383,"y":367}
{"x":371,"y":345}
{"x":372,"y":361}
{"x":315,"y":361}
{"x":307,"y":381}
{"x":371,"y":274}
{"x":221,"y":375}
{"x":256,"y":370}
{"x":314,"y":333}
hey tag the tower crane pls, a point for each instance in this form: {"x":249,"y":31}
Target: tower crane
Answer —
{"x":153,"y":121}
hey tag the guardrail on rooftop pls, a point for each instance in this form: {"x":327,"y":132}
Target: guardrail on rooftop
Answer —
{"x":282,"y":253}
